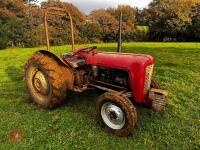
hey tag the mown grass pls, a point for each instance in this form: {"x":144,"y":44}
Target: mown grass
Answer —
{"x":73,"y":126}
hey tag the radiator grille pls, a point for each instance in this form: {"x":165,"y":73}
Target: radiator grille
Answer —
{"x":148,"y":77}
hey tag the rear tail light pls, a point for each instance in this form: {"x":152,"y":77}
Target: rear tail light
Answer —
{"x":148,"y":78}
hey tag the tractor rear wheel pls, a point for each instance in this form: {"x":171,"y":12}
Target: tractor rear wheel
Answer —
{"x":46,"y":81}
{"x":116,"y":113}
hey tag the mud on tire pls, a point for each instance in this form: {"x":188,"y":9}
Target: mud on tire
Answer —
{"x":46,"y":81}
{"x":120,"y":103}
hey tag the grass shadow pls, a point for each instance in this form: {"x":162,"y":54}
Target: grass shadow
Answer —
{"x":14,"y":73}
{"x":83,"y":103}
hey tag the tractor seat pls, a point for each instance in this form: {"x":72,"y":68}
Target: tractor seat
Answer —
{"x":75,"y":62}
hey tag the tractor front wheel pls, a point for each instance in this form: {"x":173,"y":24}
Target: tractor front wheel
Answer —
{"x":46,"y":81}
{"x":116,"y":113}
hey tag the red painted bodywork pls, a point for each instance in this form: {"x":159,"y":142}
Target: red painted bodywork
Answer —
{"x":135,"y":64}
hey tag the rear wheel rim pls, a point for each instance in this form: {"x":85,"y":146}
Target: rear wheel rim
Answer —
{"x":113,"y":116}
{"x":40,"y":82}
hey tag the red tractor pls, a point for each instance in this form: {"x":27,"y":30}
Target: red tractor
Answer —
{"x":124,"y":78}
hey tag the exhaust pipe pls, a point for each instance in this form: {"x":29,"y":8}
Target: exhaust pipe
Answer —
{"x":119,"y":49}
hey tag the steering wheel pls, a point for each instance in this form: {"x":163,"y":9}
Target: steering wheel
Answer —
{"x":88,"y":49}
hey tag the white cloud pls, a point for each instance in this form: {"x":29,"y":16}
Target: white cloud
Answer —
{"x":89,"y":5}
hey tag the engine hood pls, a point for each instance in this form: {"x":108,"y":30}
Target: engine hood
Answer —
{"x":119,"y":60}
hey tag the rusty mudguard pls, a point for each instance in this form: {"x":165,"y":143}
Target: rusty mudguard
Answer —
{"x":64,"y":65}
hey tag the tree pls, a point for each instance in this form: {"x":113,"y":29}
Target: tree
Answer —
{"x":107,"y":22}
{"x":194,"y":28}
{"x":89,"y":33}
{"x":11,"y":18}
{"x":22,"y":24}
{"x":128,"y":16}
{"x":33,"y":26}
{"x":168,"y":18}
{"x":59,"y":27}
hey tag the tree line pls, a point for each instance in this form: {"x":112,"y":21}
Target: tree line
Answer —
{"x":21,"y":23}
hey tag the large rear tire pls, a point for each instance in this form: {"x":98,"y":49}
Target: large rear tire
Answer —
{"x":116,"y":113}
{"x":46,"y":81}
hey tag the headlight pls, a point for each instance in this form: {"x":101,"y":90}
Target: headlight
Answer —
{"x":148,"y":78}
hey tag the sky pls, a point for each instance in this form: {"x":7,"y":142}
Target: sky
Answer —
{"x":88,"y":5}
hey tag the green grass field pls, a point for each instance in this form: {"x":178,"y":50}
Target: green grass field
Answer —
{"x":73,"y":126}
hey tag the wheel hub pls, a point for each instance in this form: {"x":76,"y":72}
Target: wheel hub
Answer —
{"x":113,"y":116}
{"x":40,"y":83}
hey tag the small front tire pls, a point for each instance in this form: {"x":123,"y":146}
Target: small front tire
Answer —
{"x":116,"y":113}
